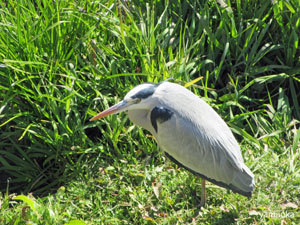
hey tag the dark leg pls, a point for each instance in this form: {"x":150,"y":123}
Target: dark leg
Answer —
{"x":203,"y":194}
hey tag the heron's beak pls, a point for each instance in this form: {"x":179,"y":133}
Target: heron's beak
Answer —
{"x":117,"y":108}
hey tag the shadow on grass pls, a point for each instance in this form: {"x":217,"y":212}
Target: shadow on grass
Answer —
{"x":225,"y":218}
{"x":220,"y":218}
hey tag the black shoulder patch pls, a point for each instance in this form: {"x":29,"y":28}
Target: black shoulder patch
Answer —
{"x":160,"y":114}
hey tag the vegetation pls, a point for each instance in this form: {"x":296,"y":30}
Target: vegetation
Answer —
{"x":63,"y":61}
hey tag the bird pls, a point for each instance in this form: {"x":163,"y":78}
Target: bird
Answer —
{"x":189,"y":132}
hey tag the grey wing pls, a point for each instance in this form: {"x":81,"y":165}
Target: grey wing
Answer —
{"x":207,"y":150}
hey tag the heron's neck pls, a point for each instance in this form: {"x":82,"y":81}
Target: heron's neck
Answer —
{"x":141,"y":118}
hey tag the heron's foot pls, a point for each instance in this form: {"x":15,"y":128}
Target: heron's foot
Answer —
{"x":199,"y":207}
{"x":203,"y":196}
{"x":202,"y":202}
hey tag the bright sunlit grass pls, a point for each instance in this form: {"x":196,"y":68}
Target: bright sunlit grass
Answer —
{"x":63,"y":61}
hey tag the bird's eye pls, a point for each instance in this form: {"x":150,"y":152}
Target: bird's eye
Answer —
{"x":136,"y":100}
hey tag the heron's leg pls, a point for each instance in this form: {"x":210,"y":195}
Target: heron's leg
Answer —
{"x":203,"y":193}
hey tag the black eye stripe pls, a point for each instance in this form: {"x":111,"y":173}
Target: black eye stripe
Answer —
{"x":145,"y":93}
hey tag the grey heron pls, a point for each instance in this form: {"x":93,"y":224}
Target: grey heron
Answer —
{"x":190,"y":132}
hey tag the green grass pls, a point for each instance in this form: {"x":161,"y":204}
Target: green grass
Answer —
{"x":63,"y":61}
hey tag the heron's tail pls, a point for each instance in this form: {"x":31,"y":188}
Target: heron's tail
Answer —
{"x":244,"y":181}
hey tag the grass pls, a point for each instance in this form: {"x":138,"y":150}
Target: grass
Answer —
{"x":63,"y":61}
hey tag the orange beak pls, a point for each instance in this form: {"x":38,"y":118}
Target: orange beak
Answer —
{"x":117,"y":108}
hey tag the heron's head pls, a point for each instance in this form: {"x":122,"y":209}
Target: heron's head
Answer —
{"x":140,"y":97}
